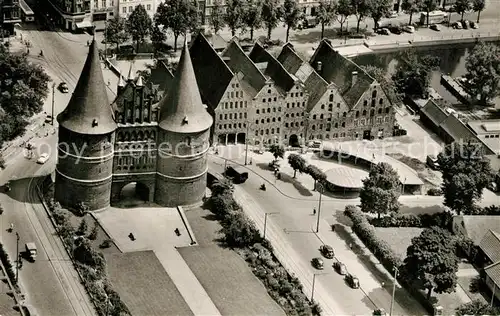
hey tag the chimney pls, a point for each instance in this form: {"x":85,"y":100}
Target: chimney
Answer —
{"x":319,"y":66}
{"x":354,"y":78}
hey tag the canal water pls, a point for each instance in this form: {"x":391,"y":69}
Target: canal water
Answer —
{"x":452,"y":62}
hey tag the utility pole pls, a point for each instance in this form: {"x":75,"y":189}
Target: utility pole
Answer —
{"x":393,"y":290}
{"x":314,"y":283}
{"x":17,"y":259}
{"x":265,"y":221}
{"x":105,"y":41}
{"x":53,"y":100}
{"x":319,"y":206}
{"x":246,"y":143}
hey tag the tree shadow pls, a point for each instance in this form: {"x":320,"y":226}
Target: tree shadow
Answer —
{"x":21,"y":189}
{"x":421,"y":209}
{"x":263,"y":166}
{"x":296,"y":184}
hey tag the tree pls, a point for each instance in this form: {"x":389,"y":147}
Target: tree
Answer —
{"x":82,"y":228}
{"x":85,"y":254}
{"x":222,"y":187}
{"x":116,"y":32}
{"x":158,"y":36}
{"x":179,"y":16}
{"x":361,"y":9}
{"x":298,"y":163}
{"x":291,"y":15}
{"x":378,"y":10}
{"x":316,"y":173}
{"x":252,"y":16}
{"x":380,"y":190}
{"x":343,"y":10}
{"x":386,"y":82}
{"x":325,"y":13}
{"x":413,"y":74}
{"x":478,"y":6}
{"x":93,"y":233}
{"x":277,"y":151}
{"x":461,"y":6}
{"x":428,"y":6}
{"x":476,"y":307}
{"x":81,"y":208}
{"x":466,"y":172}
{"x":217,"y":16}
{"x":431,"y":263}
{"x":271,"y":14}
{"x":139,"y":25}
{"x":411,"y":7}
{"x":239,"y":231}
{"x":483,"y":72}
{"x":234,"y":15}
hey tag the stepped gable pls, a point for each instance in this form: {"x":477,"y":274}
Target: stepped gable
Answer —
{"x":251,"y":78}
{"x":212,"y":73}
{"x":338,"y":69}
{"x":181,"y":110}
{"x":274,"y":69}
{"x":89,"y":111}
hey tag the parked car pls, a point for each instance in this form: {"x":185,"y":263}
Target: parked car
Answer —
{"x":48,"y":119}
{"x":352,"y":281}
{"x":63,"y":87}
{"x":474,"y":25}
{"x":383,"y":31}
{"x":379,"y":312}
{"x":432,"y":162}
{"x":43,"y":158}
{"x":435,"y":27}
{"x":466,"y":24}
{"x":31,"y":250}
{"x":457,"y":25}
{"x":409,"y":29}
{"x":340,"y":268}
{"x":493,"y":187}
{"x":317,"y":263}
{"x":393,"y":14}
{"x":396,"y":30}
{"x":327,"y":251}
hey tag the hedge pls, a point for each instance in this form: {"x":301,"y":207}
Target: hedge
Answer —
{"x":381,"y":250}
{"x":9,"y":267}
{"x":441,"y":219}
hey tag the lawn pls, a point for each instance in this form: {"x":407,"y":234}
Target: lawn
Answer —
{"x":144,"y":286}
{"x":399,"y":238}
{"x":229,"y":282}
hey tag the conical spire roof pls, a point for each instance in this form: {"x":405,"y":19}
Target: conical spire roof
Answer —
{"x":88,"y":111}
{"x":182,"y":110}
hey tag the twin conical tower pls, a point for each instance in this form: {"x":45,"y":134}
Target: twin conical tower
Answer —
{"x":84,"y":172}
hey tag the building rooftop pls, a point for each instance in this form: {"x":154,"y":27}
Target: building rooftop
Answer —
{"x":89,"y":111}
{"x":434,"y":112}
{"x":339,"y":70}
{"x":181,"y":109}
{"x":490,"y":245}
{"x":477,"y":225}
{"x":490,"y":132}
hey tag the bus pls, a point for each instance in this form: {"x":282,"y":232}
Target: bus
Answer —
{"x":435,"y":17}
{"x":27,"y":14}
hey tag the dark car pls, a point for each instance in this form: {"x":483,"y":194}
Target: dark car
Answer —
{"x":327,"y":251}
{"x":383,"y":31}
{"x":63,"y":87}
{"x":352,"y":281}
{"x":340,"y":268}
{"x":317,"y":263}
{"x":396,"y":30}
{"x":435,"y":27}
{"x":237,"y":174}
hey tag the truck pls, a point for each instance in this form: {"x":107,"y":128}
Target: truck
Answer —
{"x":31,"y":250}
{"x":237,"y":174}
{"x":435,"y":17}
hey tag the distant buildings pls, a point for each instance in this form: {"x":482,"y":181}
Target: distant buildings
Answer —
{"x":11,"y":14}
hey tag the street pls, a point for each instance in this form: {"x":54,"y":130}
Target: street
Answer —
{"x":51,"y":284}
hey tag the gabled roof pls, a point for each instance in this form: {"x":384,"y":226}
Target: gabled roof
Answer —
{"x":490,"y":245}
{"x":434,"y":112}
{"x":316,"y":86}
{"x":88,"y":111}
{"x":181,"y":110}
{"x":128,"y":91}
{"x":161,"y":76}
{"x":477,"y":225}
{"x":239,"y":62}
{"x":493,"y":271}
{"x":294,"y":64}
{"x":212,"y":73}
{"x":458,"y":130}
{"x":282,"y":78}
{"x":217,"y":42}
{"x":337,"y":69}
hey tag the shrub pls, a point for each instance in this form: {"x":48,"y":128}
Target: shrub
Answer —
{"x":434,"y":192}
{"x":4,"y":256}
{"x":105,"y":244}
{"x":442,"y":219}
{"x":94,"y":232}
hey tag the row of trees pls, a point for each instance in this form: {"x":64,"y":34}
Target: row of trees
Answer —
{"x":460,"y":7}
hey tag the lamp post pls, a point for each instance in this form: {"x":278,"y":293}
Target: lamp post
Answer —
{"x":53,"y":101}
{"x":319,"y":206}
{"x":265,"y":221}
{"x":17,"y":258}
{"x":393,"y":290}
{"x":246,"y":143}
{"x":403,"y":191}
{"x":314,"y":283}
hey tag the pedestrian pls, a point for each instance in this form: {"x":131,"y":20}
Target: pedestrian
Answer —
{"x":11,"y":227}
{"x":314,"y":211}
{"x":350,"y":245}
{"x":383,"y":284}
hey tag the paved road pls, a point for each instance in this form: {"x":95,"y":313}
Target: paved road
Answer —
{"x":293,"y":231}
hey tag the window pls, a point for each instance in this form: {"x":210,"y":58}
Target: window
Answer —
{"x":269,"y":100}
{"x":124,"y":10}
{"x":286,"y":124}
{"x":381,"y":101}
{"x":322,"y":106}
{"x":272,"y":130}
{"x":379,"y":111}
{"x":239,"y":125}
{"x":342,"y":134}
{"x":364,"y":112}
{"x":256,"y":121}
{"x":288,"y":105}
{"x":237,"y":86}
{"x":225,"y":126}
{"x":232,"y":94}
{"x":225,"y":116}
{"x":235,"y":105}
{"x":148,"y":7}
{"x":267,"y":132}
{"x":241,"y":115}
{"x":269,"y":91}
{"x":103,"y":3}
{"x":292,"y":115}
{"x":387,"y":110}
{"x":336,"y":125}
{"x":373,"y":102}
{"x":344,"y":114}
{"x":343,"y":124}
{"x":257,"y":111}
{"x":130,"y":9}
{"x":230,"y":116}
{"x":264,"y":100}
{"x":275,"y":99}
{"x":320,"y":126}
{"x":372,"y":113}
{"x":256,"y":133}
{"x":374,"y":94}
{"x":338,"y":105}
{"x":274,"y":109}
{"x":268,"y":120}
{"x":293,"y":104}
{"x":365,"y":103}
{"x":302,"y":123}
{"x":314,"y":127}
{"x":230,"y":105}
{"x":220,"y":117}
{"x":279,"y":119}
{"x":302,"y":94}
{"x":355,"y":123}
{"x":321,"y":116}
{"x":274,"y":119}
{"x":220,"y":126}
{"x":314,"y":116}
{"x":357,"y":113}
{"x":262,"y":121}
{"x":261,"y":132}
{"x":279,"y":109}
{"x":245,"y":115}
{"x":277,"y":130}
{"x":330,"y":107}
{"x":331,"y":97}
{"x":268,"y":110}
{"x":303,"y":103}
